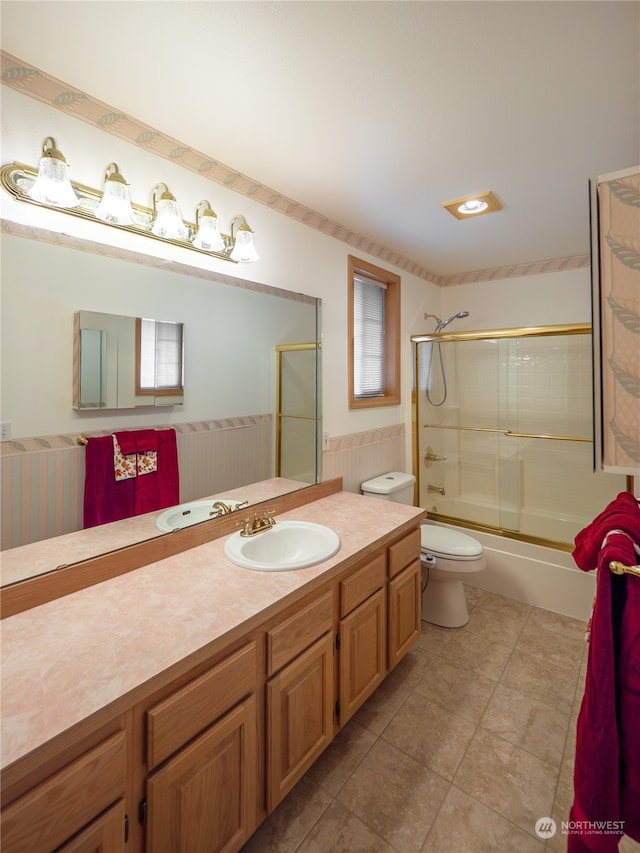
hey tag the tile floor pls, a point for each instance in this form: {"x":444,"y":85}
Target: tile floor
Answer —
{"x":462,"y":748}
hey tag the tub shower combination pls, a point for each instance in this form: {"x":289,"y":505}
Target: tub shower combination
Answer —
{"x":503,"y":431}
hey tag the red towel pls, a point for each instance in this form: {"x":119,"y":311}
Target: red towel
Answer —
{"x":607,"y":763}
{"x":622,"y":513}
{"x":145,"y":439}
{"x":105,"y":499}
{"x":159,"y":489}
{"x":127,"y":442}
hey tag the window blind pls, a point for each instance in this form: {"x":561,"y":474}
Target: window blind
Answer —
{"x":160,"y":355}
{"x":368,"y":337}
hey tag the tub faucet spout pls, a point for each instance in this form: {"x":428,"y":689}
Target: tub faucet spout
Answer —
{"x":438,"y":490}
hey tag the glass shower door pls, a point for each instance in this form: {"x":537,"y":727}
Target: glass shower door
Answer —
{"x":503,"y":432}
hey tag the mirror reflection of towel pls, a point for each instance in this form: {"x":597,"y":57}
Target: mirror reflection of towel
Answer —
{"x":134,"y":453}
{"x":124,"y":466}
{"x":105,"y":499}
{"x":161,"y":488}
{"x":108,"y":499}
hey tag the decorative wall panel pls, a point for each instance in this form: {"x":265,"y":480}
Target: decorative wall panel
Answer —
{"x":616,"y":291}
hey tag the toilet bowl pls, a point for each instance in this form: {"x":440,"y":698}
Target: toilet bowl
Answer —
{"x":449,"y":559}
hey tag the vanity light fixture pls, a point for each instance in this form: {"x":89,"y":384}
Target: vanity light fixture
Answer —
{"x":208,"y":236}
{"x":50,"y":186}
{"x":473,"y":205}
{"x":115,"y":205}
{"x":244,"y":249}
{"x":167,"y":221}
{"x":53,"y":185}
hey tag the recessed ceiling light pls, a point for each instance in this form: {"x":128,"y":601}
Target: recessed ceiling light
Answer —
{"x":472,"y":205}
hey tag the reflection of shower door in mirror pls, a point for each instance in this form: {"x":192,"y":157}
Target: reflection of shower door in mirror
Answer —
{"x":297,"y":412}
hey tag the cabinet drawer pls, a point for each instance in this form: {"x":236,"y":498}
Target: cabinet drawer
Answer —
{"x":66,"y":802}
{"x":177,"y":719}
{"x":104,"y":835}
{"x":362,"y":583}
{"x":292,"y":636}
{"x":404,"y":552}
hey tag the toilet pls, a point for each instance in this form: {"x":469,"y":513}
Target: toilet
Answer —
{"x":449,"y":558}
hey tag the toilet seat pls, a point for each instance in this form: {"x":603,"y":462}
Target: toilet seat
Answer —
{"x":447,"y":544}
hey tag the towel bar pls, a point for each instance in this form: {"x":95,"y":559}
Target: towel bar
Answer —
{"x":620,"y":569}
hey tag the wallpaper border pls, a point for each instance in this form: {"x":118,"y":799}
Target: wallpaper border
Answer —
{"x":29,"y":80}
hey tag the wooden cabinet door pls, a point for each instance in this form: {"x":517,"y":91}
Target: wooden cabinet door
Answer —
{"x":405,"y":612}
{"x":104,"y":835}
{"x":363,"y":653}
{"x":204,"y":798}
{"x":300,"y":717}
{"x":66,"y":802}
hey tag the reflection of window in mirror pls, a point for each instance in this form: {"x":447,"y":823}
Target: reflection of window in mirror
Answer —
{"x":159,"y":357}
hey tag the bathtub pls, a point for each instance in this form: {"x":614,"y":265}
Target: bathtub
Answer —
{"x":534,"y":574}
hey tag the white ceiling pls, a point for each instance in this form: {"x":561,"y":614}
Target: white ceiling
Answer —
{"x":374,"y":113}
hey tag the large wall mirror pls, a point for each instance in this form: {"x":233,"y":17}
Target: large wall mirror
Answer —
{"x":232,"y":328}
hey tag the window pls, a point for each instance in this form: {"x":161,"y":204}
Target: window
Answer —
{"x":159,"y":349}
{"x":374,"y":336}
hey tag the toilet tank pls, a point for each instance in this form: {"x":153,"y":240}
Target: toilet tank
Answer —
{"x":394,"y":486}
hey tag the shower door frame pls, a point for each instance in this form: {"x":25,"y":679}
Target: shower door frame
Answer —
{"x":488,"y":334}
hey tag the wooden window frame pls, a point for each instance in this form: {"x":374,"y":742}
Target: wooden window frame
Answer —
{"x":151,"y":392}
{"x":391,"y":392}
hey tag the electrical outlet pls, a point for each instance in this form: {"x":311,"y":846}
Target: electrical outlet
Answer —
{"x":5,"y":431}
{"x":325,"y":440}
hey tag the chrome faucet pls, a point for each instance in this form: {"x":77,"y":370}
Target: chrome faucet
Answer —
{"x":439,"y":490}
{"x":257,"y":524}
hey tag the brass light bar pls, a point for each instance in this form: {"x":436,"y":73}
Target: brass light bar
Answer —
{"x":17,"y":178}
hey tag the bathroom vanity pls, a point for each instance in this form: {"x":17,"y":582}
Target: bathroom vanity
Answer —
{"x":173,"y":707}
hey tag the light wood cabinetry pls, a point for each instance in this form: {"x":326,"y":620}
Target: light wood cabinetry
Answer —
{"x":204,"y":796}
{"x":300,"y":717}
{"x":363,"y":653}
{"x":204,"y":799}
{"x":405,"y":600}
{"x":185,"y":713}
{"x":404,"y":612}
{"x":197,"y":759}
{"x":105,"y":835}
{"x":68,"y":800}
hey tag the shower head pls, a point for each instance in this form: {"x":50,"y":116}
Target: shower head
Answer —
{"x":442,"y":323}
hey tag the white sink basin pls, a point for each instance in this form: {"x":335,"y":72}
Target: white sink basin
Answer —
{"x":184,"y":515}
{"x":285,"y":546}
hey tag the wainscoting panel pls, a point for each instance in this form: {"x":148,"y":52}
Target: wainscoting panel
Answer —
{"x":362,"y":455}
{"x":42,"y":478}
